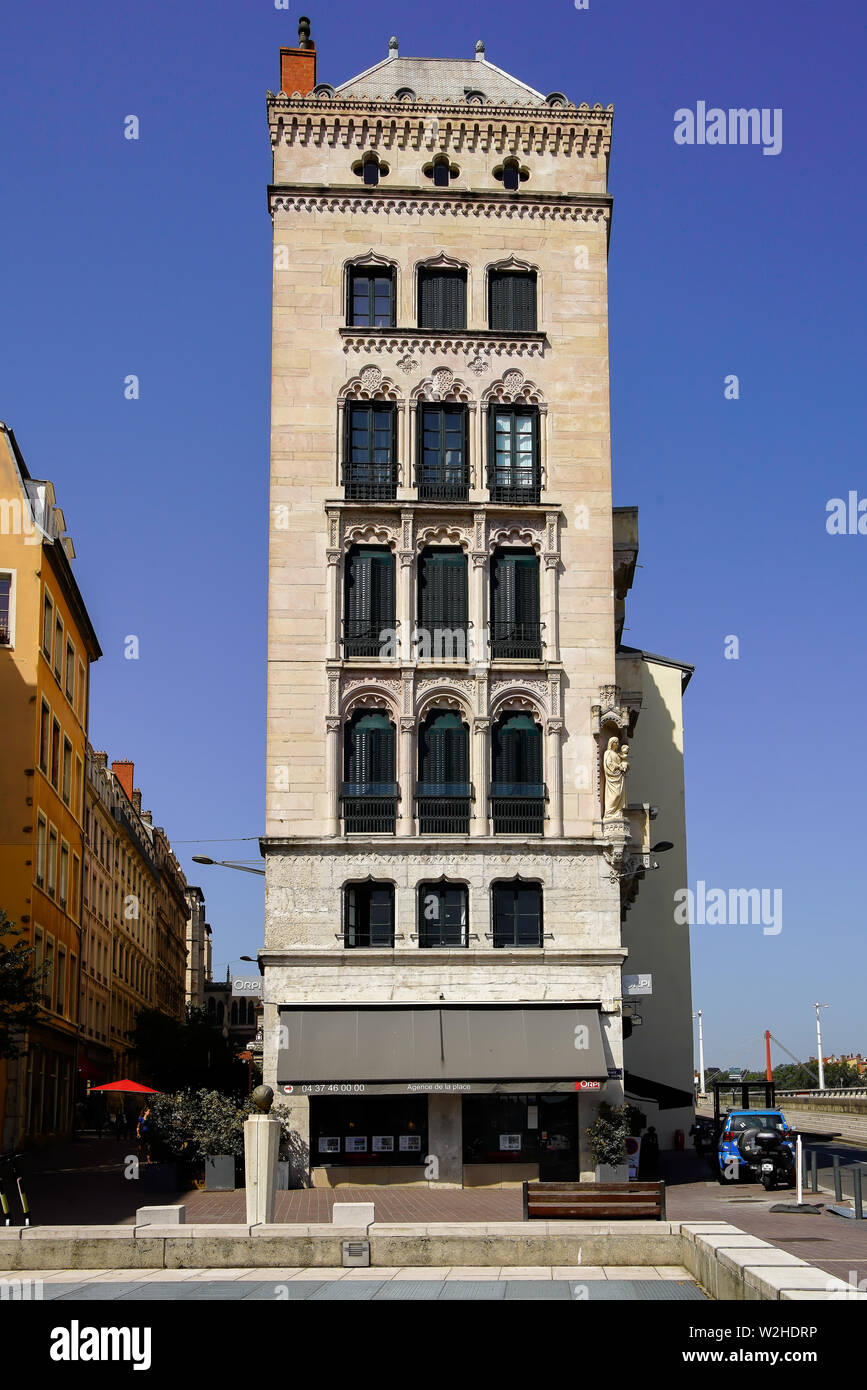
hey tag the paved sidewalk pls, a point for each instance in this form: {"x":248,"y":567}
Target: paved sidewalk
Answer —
{"x":662,"y":1283}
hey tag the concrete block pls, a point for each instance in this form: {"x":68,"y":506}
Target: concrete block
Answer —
{"x":161,"y":1216}
{"x":770,"y":1281}
{"x":353,"y":1214}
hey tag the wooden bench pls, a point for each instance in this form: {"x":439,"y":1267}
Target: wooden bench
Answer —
{"x":594,"y":1201}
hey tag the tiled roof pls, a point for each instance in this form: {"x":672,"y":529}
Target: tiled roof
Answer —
{"x":440,"y":80}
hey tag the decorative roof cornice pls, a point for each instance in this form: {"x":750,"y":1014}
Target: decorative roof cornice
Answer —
{"x":584,"y":207}
{"x":409,"y":340}
{"x":333,"y":121}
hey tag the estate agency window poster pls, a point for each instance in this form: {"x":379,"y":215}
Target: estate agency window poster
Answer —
{"x":329,"y":1145}
{"x":510,"y":1143}
{"x":356,"y":1143}
{"x":383,"y":1143}
{"x":410,"y":1143}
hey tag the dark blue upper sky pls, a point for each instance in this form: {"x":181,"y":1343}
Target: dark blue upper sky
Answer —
{"x":152,"y":257}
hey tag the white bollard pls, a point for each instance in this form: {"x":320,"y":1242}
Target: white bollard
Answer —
{"x":261,"y":1147}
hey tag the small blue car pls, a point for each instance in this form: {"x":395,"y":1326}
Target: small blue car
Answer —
{"x":758,"y":1145}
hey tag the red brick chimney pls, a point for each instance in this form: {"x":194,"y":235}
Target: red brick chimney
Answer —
{"x":124,"y":771}
{"x":298,"y":65}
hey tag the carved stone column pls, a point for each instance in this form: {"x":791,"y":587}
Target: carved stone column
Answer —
{"x":332,"y":772}
{"x":550,"y":613}
{"x":554,"y":760}
{"x":333,"y":649}
{"x":479,"y":770}
{"x":406,"y":821}
{"x":405,"y":604}
{"x":479,"y":608}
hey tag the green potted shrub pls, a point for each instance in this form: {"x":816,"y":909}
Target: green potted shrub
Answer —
{"x":606,"y":1139}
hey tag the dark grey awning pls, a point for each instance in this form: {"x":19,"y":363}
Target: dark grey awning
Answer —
{"x":334,"y":1049}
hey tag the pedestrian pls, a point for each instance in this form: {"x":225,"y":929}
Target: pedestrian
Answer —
{"x":144,"y":1131}
{"x":648,"y":1163}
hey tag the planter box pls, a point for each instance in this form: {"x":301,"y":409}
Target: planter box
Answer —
{"x":609,"y":1172}
{"x":220,"y":1173}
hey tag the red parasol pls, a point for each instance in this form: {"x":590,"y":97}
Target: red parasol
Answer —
{"x":126,"y":1086}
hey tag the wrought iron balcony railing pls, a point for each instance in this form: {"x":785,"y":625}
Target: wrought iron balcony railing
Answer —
{"x":443,"y":808}
{"x":369,"y":808}
{"x":361,"y":637}
{"x":370,"y":482}
{"x":516,"y":641}
{"x":517,"y":808}
{"x":514,"y":493}
{"x":442,"y":484}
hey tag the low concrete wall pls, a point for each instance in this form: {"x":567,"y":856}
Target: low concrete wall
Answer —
{"x":728,"y":1263}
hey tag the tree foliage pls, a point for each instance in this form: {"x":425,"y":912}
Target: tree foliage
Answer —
{"x":21,"y":982}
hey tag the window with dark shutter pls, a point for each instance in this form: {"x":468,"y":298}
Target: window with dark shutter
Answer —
{"x":369,"y":793}
{"x":442,"y":299}
{"x":443,"y":790}
{"x":369,"y":607}
{"x":369,"y":761}
{"x":442,"y":914}
{"x":370,"y":452}
{"x":517,"y":756}
{"x":517,"y":785}
{"x":513,"y":460}
{"x":443,"y":452}
{"x":516,"y":630}
{"x":368,"y":915}
{"x":370,"y":298}
{"x":443,"y":607}
{"x":517,"y":914}
{"x":512,"y":302}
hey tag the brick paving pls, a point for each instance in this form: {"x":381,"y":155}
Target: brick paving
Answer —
{"x":84,"y":1182}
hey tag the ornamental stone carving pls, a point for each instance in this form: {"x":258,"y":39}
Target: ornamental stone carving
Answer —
{"x":371,"y":378}
{"x":370,"y":384}
{"x":525,"y":536}
{"x":615,"y":765}
{"x":441,"y":385}
{"x":514,"y":388}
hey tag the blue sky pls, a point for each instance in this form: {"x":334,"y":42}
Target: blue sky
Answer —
{"x":152,"y":257}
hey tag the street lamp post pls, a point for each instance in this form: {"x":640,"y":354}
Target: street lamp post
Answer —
{"x":227,"y":864}
{"x":700,"y":1054}
{"x":819,"y":1045}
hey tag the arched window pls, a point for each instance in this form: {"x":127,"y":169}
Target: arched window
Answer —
{"x":370,"y":296}
{"x":368,"y":914}
{"x":443,"y":791}
{"x":443,"y":473}
{"x":516,"y":910}
{"x":516,"y":630}
{"x":517,"y":786}
{"x":442,"y":299}
{"x":370,"y":451}
{"x":369,"y":787}
{"x":443,"y":604}
{"x":514,"y":473}
{"x":442,"y":914}
{"x":512,"y":301}
{"x":369,"y":612}
{"x":370,"y":169}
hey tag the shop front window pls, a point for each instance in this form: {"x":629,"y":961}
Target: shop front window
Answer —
{"x":367,"y":1131}
{"x":528,"y":1129}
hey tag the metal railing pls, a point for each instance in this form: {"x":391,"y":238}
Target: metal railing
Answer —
{"x":370,"y":482}
{"x":442,"y":484}
{"x":516,"y":641}
{"x":361,"y":637}
{"x":369,"y":812}
{"x":443,"y":815}
{"x":518,"y":815}
{"x":517,"y":494}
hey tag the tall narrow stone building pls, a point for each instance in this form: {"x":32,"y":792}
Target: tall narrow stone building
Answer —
{"x":448,"y":862}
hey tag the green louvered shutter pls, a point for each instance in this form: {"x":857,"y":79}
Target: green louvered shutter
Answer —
{"x":369,"y":756}
{"x":442,"y":300}
{"x":513,"y":302}
{"x":517,"y":760}
{"x":443,"y":592}
{"x":444,"y":755}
